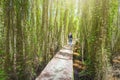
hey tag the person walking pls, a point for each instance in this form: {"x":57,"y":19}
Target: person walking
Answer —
{"x":70,"y":38}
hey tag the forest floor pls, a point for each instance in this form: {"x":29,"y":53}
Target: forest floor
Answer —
{"x":114,"y":69}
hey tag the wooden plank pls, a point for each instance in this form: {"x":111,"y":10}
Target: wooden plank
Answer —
{"x":60,"y":67}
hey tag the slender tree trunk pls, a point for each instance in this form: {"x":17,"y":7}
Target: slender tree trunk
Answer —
{"x":20,"y":63}
{"x":7,"y":64}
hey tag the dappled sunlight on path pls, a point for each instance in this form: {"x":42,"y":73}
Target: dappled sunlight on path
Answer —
{"x":60,"y":67}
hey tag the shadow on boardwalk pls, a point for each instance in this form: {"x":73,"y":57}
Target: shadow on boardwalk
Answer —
{"x":60,"y":67}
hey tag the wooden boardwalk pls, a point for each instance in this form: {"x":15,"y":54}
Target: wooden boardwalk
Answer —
{"x":60,"y":67}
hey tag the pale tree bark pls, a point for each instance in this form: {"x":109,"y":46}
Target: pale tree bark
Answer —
{"x":7,"y":25}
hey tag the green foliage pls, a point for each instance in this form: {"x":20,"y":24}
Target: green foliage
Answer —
{"x":41,"y":28}
{"x":96,"y":32}
{"x":2,"y":75}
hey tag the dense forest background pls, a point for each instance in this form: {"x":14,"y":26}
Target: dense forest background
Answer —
{"x":32,"y":31}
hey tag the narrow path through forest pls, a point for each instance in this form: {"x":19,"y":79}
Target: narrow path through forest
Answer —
{"x":60,"y":67}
